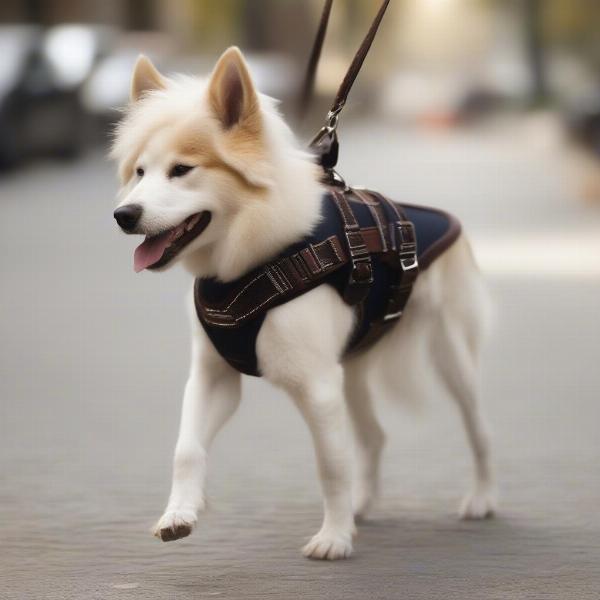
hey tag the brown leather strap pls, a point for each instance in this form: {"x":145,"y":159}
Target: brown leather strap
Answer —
{"x":353,"y":69}
{"x":397,"y":242}
{"x":357,"y":61}
{"x":313,"y":62}
{"x":380,"y":218}
{"x":274,"y":282}
{"x":402,"y":257}
{"x":361,"y":275}
{"x":374,"y":239}
{"x":325,"y":143}
{"x":407,"y":269}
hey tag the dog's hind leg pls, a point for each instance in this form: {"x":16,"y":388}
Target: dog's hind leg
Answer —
{"x":456,"y":361}
{"x":369,"y":437}
{"x":212,"y":394}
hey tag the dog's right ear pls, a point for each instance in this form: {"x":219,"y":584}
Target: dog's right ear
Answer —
{"x":145,"y":78}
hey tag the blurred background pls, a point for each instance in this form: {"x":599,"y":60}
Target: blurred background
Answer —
{"x":437,"y":64}
{"x":487,"y":108}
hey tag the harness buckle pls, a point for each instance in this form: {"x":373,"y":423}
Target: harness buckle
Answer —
{"x":361,"y":275}
{"x":403,"y":236}
{"x":392,"y":316}
{"x":361,"y":278}
{"x":404,"y":245}
{"x":359,"y":283}
{"x":362,"y":271}
{"x":403,"y":257}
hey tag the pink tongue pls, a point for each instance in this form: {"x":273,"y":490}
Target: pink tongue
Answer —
{"x":150,"y":250}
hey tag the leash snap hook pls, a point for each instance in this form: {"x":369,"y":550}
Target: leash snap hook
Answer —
{"x":325,"y":143}
{"x":333,"y":117}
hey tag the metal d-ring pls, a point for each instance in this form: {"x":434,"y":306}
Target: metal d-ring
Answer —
{"x":333,"y":118}
{"x":329,"y":130}
{"x":330,"y":127}
{"x":337,"y":179}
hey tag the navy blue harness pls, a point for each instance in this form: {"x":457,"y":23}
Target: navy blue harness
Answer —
{"x":232,"y":321}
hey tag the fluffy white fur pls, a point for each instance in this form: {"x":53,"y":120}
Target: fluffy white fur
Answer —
{"x":267,"y":197}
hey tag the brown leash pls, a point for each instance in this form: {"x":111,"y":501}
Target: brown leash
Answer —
{"x":357,"y":61}
{"x":325,"y":144}
{"x":311,"y":70}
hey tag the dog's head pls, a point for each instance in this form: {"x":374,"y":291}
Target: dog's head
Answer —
{"x":192,"y":157}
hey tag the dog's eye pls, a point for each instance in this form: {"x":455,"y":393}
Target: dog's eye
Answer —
{"x":139,"y":172}
{"x":179,"y":170}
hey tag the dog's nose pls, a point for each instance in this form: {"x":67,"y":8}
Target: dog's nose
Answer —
{"x":128,"y":216}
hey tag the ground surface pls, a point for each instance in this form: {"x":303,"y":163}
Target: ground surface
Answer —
{"x":93,"y":361}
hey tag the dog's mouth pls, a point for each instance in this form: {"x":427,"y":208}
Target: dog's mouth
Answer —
{"x":158,"y":250}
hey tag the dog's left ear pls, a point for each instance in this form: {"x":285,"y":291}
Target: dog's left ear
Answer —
{"x":231,"y":92}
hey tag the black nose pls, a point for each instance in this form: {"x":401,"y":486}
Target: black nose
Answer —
{"x":128,"y":216}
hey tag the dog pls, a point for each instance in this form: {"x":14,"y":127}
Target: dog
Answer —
{"x":215,"y":180}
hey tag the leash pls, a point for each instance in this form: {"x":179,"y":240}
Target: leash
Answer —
{"x":311,"y":69}
{"x":325,"y":144}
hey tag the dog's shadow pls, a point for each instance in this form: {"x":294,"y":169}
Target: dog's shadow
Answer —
{"x":446,"y":544}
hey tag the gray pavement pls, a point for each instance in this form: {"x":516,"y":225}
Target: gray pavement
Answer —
{"x":92,"y":365}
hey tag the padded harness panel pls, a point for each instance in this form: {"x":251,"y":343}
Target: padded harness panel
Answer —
{"x":232,"y":313}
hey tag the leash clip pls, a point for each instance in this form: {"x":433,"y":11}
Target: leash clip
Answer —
{"x":325,"y":144}
{"x":333,"y":117}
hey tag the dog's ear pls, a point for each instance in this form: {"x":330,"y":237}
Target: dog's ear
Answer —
{"x":231,"y":92}
{"x":145,"y":78}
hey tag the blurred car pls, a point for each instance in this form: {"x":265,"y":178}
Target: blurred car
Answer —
{"x":583,"y":121}
{"x":41,"y":73}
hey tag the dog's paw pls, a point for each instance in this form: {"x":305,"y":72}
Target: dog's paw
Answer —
{"x":478,"y":504}
{"x":329,"y":545}
{"x":175,"y":524}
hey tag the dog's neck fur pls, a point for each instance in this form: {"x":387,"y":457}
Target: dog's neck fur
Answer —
{"x":289,"y":210}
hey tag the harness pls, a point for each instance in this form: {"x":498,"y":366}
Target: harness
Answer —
{"x":367,"y":247}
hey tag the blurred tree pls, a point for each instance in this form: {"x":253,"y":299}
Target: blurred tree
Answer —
{"x":34,"y":9}
{"x":52,"y":12}
{"x":533,"y":24}
{"x":215,"y":23}
{"x":141,"y":15}
{"x":279,"y":26}
{"x":574,"y":25}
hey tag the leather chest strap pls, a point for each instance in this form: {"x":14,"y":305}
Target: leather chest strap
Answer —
{"x":361,"y":275}
{"x":274,"y":283}
{"x":401,"y":255}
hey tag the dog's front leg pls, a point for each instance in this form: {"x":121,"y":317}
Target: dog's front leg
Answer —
{"x":299,"y":349}
{"x":321,"y":402}
{"x":212,"y":394}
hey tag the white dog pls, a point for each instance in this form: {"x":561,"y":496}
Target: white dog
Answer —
{"x":190,"y":147}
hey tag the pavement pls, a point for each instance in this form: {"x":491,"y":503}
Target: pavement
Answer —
{"x":93,"y":362}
